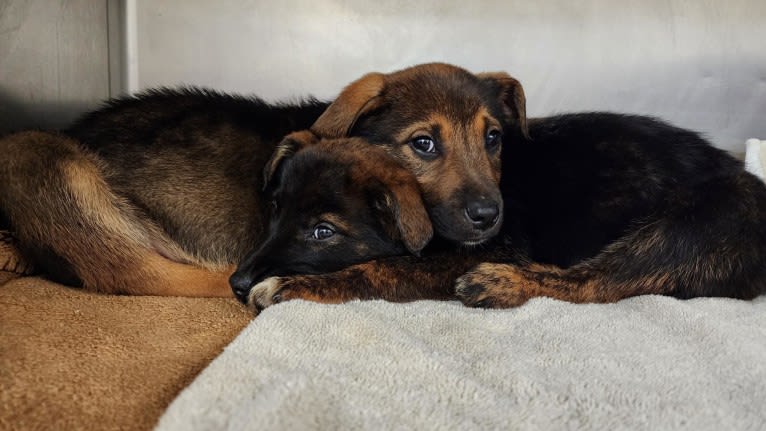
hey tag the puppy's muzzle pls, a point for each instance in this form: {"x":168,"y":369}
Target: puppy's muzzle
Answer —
{"x":482,"y":213}
{"x":243,"y":280}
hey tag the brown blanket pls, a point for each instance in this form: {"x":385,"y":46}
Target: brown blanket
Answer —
{"x":76,"y":360}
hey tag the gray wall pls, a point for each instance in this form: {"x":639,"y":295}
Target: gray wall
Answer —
{"x":53,"y":61}
{"x":700,"y":64}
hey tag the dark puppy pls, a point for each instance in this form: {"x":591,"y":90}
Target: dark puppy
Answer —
{"x":334,"y":203}
{"x":598,"y":207}
{"x":606,"y":206}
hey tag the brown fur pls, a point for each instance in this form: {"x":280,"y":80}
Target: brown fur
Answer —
{"x":160,"y":193}
{"x":368,"y":165}
{"x":399,"y":279}
{"x":357,"y":98}
{"x":454,"y":108}
{"x":368,"y":202}
{"x":63,"y":187}
{"x":11,"y":259}
{"x":601,"y":207}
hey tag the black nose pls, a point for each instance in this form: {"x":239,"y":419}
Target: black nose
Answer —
{"x":241,"y":283}
{"x":482,"y":213}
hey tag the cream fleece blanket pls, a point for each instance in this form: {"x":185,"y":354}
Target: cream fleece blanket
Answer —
{"x":647,"y":363}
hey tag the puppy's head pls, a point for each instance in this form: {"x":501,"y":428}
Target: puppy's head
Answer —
{"x":448,"y":127}
{"x":334,"y":203}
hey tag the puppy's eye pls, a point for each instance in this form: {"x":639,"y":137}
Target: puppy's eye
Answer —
{"x":323,"y":231}
{"x":424,"y":146}
{"x":493,"y":140}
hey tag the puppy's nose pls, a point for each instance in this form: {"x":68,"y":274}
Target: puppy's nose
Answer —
{"x":241,"y":282}
{"x":482,"y":213}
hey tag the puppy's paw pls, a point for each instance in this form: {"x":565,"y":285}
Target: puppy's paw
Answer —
{"x":11,"y":260}
{"x":490,"y":285}
{"x":315,"y":288}
{"x":265,"y":293}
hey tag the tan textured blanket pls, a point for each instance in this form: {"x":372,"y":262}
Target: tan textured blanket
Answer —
{"x":75,"y":360}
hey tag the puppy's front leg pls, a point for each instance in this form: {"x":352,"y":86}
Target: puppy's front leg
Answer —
{"x":498,"y":285}
{"x":396,"y":279}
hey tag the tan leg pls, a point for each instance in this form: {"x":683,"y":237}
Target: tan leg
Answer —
{"x":176,"y":279}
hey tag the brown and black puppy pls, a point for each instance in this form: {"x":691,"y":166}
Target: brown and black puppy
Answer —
{"x":598,"y":207}
{"x":608,"y":206}
{"x":155,"y":194}
{"x":447,"y":126}
{"x":335,"y":203}
{"x":172,"y":177}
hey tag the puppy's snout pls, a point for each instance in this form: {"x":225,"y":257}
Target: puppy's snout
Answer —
{"x":240,"y":283}
{"x":482,"y":213}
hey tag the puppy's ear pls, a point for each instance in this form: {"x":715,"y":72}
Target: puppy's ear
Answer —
{"x":512,"y":94}
{"x":403,"y":214}
{"x":359,"y":97}
{"x":290,"y":145}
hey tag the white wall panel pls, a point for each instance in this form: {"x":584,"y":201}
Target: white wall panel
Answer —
{"x":700,"y":64}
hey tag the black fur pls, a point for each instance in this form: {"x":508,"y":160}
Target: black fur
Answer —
{"x":587,"y":181}
{"x":598,"y":207}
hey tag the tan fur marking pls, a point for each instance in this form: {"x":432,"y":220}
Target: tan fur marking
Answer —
{"x":312,"y":296}
{"x":336,"y":220}
{"x":513,"y":96}
{"x":357,"y":98}
{"x":504,"y":285}
{"x":97,"y":202}
{"x":289,"y":145}
{"x":403,"y":197}
{"x":175,"y":279}
{"x":11,"y":259}
{"x":80,"y":219}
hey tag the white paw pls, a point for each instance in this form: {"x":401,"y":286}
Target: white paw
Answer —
{"x":262,"y":294}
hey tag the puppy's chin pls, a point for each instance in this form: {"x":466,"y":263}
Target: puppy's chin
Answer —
{"x":472,"y":244}
{"x":452,"y":226}
{"x":469,"y":238}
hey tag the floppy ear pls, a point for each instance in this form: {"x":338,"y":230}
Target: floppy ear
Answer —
{"x":359,"y":97}
{"x":404,"y":214}
{"x":290,"y":145}
{"x":512,"y":94}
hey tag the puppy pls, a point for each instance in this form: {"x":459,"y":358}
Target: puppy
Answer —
{"x":447,"y":126}
{"x":333,"y":203}
{"x":598,"y":207}
{"x":610,"y":206}
{"x":159,"y":193}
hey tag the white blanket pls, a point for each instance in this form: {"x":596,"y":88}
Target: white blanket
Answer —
{"x":648,"y":363}
{"x":755,"y":157}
